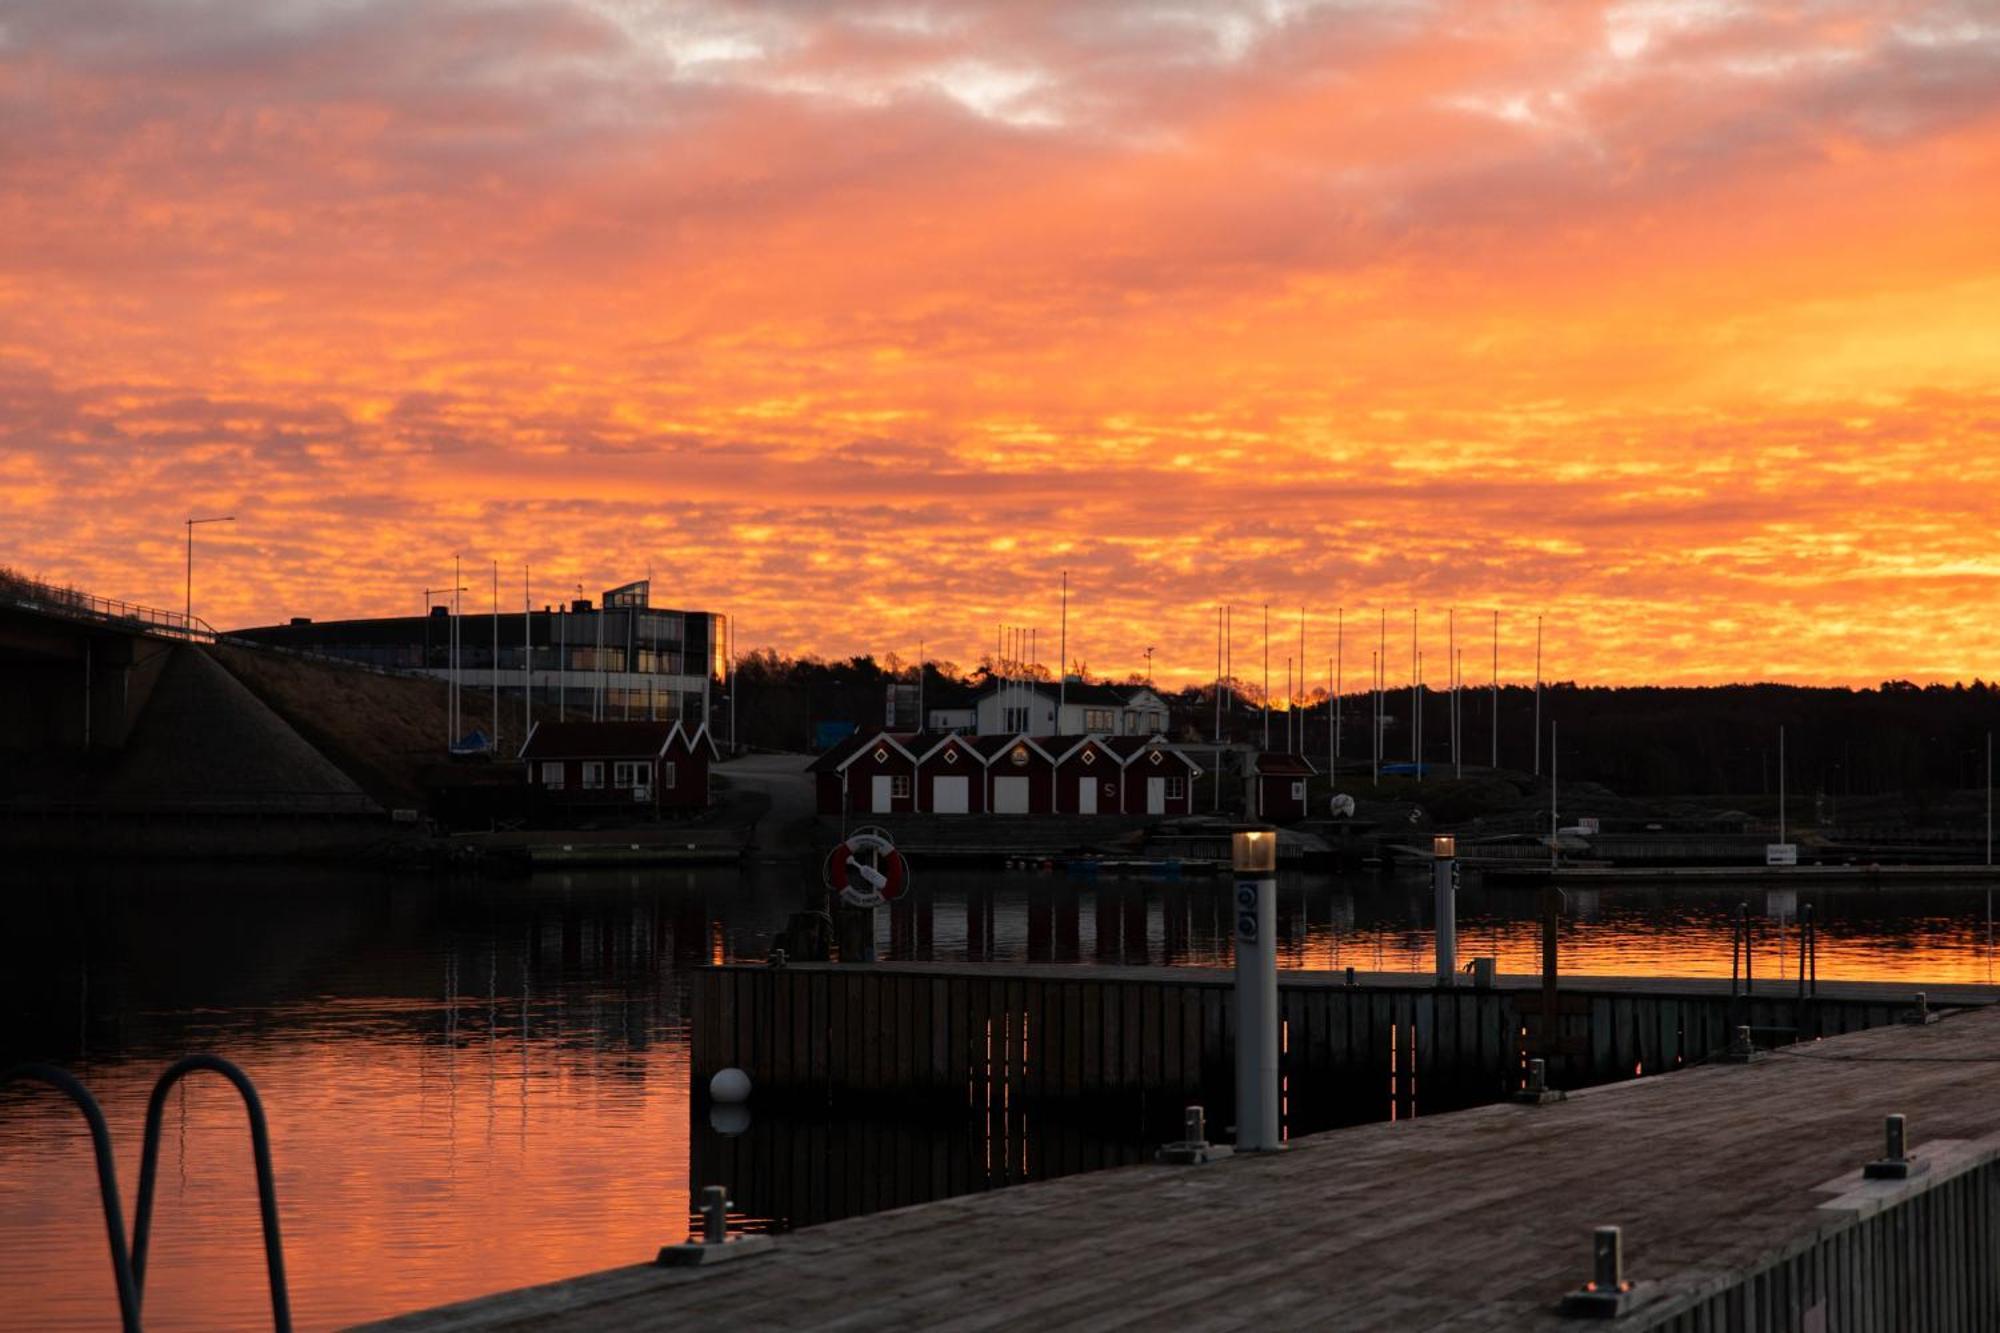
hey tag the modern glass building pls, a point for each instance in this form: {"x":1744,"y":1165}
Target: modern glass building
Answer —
{"x":624,"y":658}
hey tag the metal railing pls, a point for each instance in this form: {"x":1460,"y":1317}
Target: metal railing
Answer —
{"x":129,"y":1267}
{"x":76,"y":604}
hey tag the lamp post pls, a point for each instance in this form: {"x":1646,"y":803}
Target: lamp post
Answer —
{"x":188,"y":609}
{"x":1444,"y":886}
{"x":1254,"y":855}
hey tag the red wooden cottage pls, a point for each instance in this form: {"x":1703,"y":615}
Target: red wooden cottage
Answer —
{"x":1020,"y":775}
{"x":891,"y":773}
{"x":1278,"y":786}
{"x":608,"y":768}
{"x":1158,"y":779}
{"x":951,"y":776}
{"x":872,"y":773}
{"x":1090,"y":776}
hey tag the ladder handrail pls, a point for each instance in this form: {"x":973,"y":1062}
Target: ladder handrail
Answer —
{"x":107,"y":1178}
{"x":267,"y":1194}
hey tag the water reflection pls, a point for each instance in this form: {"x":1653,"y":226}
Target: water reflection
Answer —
{"x":474,"y":1085}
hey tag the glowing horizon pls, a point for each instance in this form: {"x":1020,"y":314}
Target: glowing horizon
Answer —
{"x":1676,"y":323}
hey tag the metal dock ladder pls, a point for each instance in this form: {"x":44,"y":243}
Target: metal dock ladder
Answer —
{"x":129,"y":1268}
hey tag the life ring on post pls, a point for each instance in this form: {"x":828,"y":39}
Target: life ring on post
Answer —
{"x":867,"y":870}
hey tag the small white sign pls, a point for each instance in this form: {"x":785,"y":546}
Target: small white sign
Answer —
{"x":1781,"y":854}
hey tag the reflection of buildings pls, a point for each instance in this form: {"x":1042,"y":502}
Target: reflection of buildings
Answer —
{"x":625,"y":659}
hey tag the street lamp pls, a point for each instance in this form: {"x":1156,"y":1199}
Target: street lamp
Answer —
{"x":188,"y":609}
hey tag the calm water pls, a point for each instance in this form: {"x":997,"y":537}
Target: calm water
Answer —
{"x":482,"y":1085}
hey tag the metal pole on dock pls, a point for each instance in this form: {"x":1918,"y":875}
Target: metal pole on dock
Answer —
{"x":1781,"y":784}
{"x":1538,"y":696}
{"x":1339,"y":674}
{"x":527,"y":656}
{"x":1267,"y":675}
{"x":1255,"y":857}
{"x":1496,"y":689}
{"x":1217,"y":734}
{"x":1555,"y":841}
{"x":1444,"y":888}
{"x":495,"y":676}
{"x":1375,"y":741}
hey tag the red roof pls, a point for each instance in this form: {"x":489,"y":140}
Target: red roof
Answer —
{"x":597,"y":740}
{"x":1284,"y":766}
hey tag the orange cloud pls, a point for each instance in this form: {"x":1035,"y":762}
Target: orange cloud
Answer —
{"x":1673,"y":321}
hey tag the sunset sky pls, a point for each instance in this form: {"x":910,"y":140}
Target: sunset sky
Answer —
{"x":1678,"y":320}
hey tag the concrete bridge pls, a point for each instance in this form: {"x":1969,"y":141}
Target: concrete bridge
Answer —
{"x":79,"y":669}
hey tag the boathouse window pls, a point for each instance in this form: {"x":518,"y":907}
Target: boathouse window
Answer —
{"x":899,"y":787}
{"x":666,"y":775}
{"x":1176,"y":789}
{"x":593,"y":773}
{"x":625,"y":774}
{"x":552,"y":776}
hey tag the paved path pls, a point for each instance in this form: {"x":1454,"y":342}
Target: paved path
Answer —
{"x":1479,"y":1219}
{"x":787,"y":826}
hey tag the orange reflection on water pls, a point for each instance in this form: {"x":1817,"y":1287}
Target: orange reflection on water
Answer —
{"x":409,"y":1173}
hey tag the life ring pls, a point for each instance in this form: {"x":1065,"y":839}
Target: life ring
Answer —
{"x":867,"y":870}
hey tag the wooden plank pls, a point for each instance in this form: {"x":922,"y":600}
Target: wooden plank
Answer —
{"x":1602,"y":1051}
{"x":1073,"y":1039}
{"x":939,"y":1001}
{"x":1035,"y":1042}
{"x":959,"y":1038}
{"x":1152,"y":1000}
{"x":839,"y":1021}
{"x":904,"y":997}
{"x":1423,"y":1020}
{"x":1017,"y":1038}
{"x":1092,"y":1028}
{"x":1132,"y":1034}
{"x":868,"y":1028}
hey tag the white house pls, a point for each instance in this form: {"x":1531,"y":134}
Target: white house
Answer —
{"x":1032,"y":709}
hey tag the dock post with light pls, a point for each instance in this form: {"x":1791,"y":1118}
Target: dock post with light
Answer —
{"x":1255,"y":858}
{"x":1444,"y":887}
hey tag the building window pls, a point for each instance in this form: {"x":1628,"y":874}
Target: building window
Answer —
{"x":666,"y":775}
{"x":1176,"y":789}
{"x":1099,"y":719}
{"x":899,"y":787}
{"x":552,"y":776}
{"x":593,"y":774}
{"x":1016,"y":721}
{"x":629,"y":774}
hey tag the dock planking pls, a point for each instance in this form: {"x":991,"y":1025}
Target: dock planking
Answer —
{"x":1738,"y":1188}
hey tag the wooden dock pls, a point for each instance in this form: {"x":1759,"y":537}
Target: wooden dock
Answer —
{"x":1354,"y":1048}
{"x":1738,"y":1188}
{"x":1763,"y":877}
